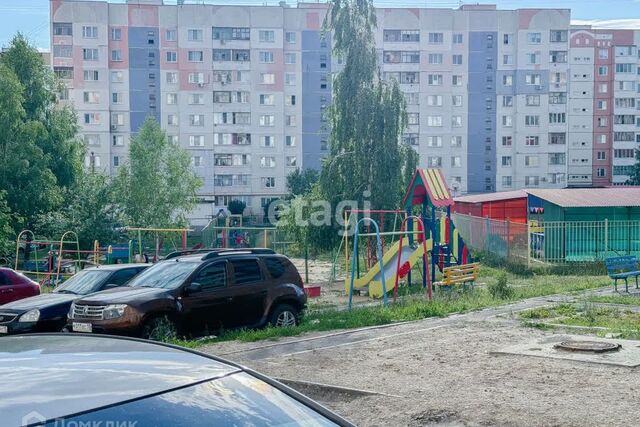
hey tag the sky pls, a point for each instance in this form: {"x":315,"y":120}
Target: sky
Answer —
{"x":31,"y":17}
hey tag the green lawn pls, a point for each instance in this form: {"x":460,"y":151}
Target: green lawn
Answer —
{"x":416,"y":307}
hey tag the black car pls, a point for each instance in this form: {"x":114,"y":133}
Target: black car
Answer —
{"x":48,"y":312}
{"x":92,"y":380}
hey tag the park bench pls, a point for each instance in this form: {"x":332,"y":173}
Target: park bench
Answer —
{"x":622,"y":267}
{"x":459,"y":274}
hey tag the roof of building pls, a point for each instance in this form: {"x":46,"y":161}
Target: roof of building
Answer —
{"x":428,"y":183}
{"x":491,"y":197}
{"x":590,"y":197}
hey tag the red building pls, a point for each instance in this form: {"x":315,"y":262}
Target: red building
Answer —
{"x":506,"y":205}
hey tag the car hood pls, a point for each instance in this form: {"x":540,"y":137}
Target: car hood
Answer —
{"x":40,"y":302}
{"x":124,"y":295}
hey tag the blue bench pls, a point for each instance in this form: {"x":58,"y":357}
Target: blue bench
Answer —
{"x":622,"y":267}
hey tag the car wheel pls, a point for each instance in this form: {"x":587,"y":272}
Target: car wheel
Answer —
{"x":159,"y":328}
{"x":284,"y":315}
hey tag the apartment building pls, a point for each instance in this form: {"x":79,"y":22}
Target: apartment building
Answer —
{"x":245,"y":89}
{"x":603,"y":106}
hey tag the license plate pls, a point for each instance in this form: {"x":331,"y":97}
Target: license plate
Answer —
{"x":82,"y":327}
{"x":4,"y":329}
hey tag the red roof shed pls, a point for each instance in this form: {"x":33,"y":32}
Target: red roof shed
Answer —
{"x":511,"y":205}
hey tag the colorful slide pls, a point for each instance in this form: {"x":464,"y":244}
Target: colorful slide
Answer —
{"x":373,"y":277}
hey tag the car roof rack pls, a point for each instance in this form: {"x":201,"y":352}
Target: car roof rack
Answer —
{"x":239,"y":251}
{"x":177,"y":254}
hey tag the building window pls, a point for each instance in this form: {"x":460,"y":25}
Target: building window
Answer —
{"x":456,"y":141}
{"x":89,"y":32}
{"x":532,"y":100}
{"x":267,"y":78}
{"x":433,"y":121}
{"x":267,"y":162}
{"x":507,"y":80}
{"x":289,"y":58}
{"x":268,"y":182}
{"x":92,"y":118}
{"x":434,"y":141}
{"x":267,"y":120}
{"x":456,"y":100}
{"x":196,"y":78}
{"x":436,"y":38}
{"x":413,"y":118}
{"x":292,"y":161}
{"x":62,"y":29}
{"x":171,"y":35}
{"x":532,"y":79}
{"x":90,"y":54}
{"x":507,"y":39}
{"x":557,"y":138}
{"x":434,"y":79}
{"x":289,"y":79}
{"x":194,"y":35}
{"x":532,"y":120}
{"x":534,"y":38}
{"x":196,"y":99}
{"x":196,"y":56}
{"x":457,"y":39}
{"x":507,"y":59}
{"x":266,"y":57}
{"x":267,"y":36}
{"x":557,"y":118}
{"x":91,"y":97}
{"x":558,"y":36}
{"x":116,"y":55}
{"x":90,"y":75}
{"x":456,"y":121}
{"x":434,"y":161}
{"x":290,"y":37}
{"x":456,"y":80}
{"x":532,"y":140}
{"x":507,"y":121}
{"x":435,"y":58}
{"x":507,"y":141}
{"x":117,"y":76}
{"x":196,"y":119}
{"x":456,"y":59}
{"x":456,"y":162}
{"x":172,"y":98}
{"x":506,"y":161}
{"x":172,"y":56}
{"x":506,"y":181}
{"x":411,"y":139}
{"x":290,"y":141}
{"x":266,"y":99}
{"x":601,"y":172}
{"x":116,"y":34}
{"x":172,"y":77}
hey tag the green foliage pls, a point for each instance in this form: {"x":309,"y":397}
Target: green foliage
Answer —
{"x":300,"y":182}
{"x":500,"y":288}
{"x":157,"y":188}
{"x":634,"y":179}
{"x":40,"y":155}
{"x":366,"y":160}
{"x":7,"y":235}
{"x":236,"y":207}
{"x":91,"y":211}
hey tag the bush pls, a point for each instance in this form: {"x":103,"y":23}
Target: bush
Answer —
{"x":236,"y":207}
{"x":501,"y":289}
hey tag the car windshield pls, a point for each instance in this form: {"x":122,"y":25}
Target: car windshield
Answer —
{"x":167,"y":275}
{"x":83,"y":283}
{"x":236,"y":400}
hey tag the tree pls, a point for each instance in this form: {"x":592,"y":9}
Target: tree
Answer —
{"x":300,"y":182}
{"x":40,"y":155}
{"x":91,"y":211}
{"x":157,"y":187}
{"x":634,"y":178}
{"x":7,"y":234}
{"x":236,"y":207}
{"x":366,"y":160}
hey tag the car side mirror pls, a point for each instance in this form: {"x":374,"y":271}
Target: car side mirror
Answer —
{"x":193,"y":288}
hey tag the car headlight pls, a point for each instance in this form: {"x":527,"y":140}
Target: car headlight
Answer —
{"x":71,"y":310}
{"x":113,"y":311}
{"x":30,"y":316}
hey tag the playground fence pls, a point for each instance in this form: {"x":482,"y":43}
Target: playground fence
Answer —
{"x":245,"y":237}
{"x":556,"y":242}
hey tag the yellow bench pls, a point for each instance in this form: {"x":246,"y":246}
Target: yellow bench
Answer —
{"x":457,"y":274}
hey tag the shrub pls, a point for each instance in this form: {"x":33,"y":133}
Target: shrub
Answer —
{"x":501,"y":289}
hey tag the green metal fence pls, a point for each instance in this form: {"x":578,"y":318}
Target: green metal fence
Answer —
{"x":556,"y":242}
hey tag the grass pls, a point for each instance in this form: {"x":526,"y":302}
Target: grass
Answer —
{"x":415,"y":307}
{"x":601,"y":319}
{"x":616,"y":299}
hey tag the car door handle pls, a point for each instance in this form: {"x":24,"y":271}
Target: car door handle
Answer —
{"x":6,"y":291}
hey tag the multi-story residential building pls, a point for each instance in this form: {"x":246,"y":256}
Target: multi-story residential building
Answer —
{"x":493,"y":96}
{"x":603,"y":106}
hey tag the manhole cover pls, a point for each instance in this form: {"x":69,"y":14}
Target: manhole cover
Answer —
{"x":588,"y":346}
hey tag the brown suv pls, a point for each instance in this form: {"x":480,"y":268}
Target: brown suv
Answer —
{"x":198,"y":292}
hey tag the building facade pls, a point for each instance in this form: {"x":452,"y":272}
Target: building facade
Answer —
{"x":490,"y":93}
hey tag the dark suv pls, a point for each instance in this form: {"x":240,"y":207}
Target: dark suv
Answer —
{"x":198,"y":292}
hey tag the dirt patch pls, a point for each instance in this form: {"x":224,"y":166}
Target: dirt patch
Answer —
{"x":447,"y":374}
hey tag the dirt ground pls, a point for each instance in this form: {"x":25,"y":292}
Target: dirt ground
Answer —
{"x":443,"y":372}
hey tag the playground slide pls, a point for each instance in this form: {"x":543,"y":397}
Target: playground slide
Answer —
{"x":373,"y":277}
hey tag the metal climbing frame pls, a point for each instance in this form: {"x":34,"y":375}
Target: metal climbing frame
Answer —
{"x":426,"y":283}
{"x":355,"y":256}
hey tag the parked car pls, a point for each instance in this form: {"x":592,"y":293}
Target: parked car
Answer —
{"x":48,"y":312}
{"x":139,"y":383}
{"x":196,"y":292}
{"x":15,"y":286}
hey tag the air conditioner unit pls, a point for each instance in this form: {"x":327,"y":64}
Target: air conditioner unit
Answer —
{"x":114,"y":127}
{"x":200,"y":84}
